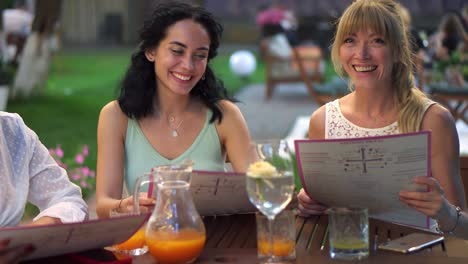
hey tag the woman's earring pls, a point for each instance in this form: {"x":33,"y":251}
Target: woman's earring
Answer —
{"x":203,"y":77}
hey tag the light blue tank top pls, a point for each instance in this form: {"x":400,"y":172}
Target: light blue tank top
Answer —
{"x":140,"y":156}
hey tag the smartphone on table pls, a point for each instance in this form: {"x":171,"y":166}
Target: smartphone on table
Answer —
{"x":412,"y":242}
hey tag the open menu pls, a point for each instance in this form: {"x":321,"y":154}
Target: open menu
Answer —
{"x":367,"y":172}
{"x":220,"y":193}
{"x":59,"y":239}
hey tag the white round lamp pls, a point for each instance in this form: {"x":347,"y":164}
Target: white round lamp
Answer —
{"x":242,"y":63}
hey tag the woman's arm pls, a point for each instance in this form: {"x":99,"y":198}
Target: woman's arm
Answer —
{"x":58,"y":199}
{"x":112,"y":127}
{"x":234,"y":136}
{"x":307,"y":205}
{"x":445,"y":157}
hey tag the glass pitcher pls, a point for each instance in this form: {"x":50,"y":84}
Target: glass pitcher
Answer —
{"x":175,"y":232}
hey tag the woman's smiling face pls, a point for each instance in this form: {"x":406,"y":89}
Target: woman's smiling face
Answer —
{"x":366,"y":58}
{"x":181,"y":57}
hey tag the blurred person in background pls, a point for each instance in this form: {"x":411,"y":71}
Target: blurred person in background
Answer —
{"x":450,"y":37}
{"x":277,"y":18}
{"x":16,"y":27}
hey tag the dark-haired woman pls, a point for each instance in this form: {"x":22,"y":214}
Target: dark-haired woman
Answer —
{"x":171,"y":107}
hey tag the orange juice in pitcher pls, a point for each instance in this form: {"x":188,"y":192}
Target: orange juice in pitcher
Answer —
{"x":171,"y":247}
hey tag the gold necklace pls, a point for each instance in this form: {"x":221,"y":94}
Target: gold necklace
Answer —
{"x":172,"y":125}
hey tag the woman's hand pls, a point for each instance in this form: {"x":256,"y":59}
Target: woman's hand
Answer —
{"x":14,"y":254}
{"x":146,"y":204}
{"x":308,"y":206}
{"x":429,"y":203}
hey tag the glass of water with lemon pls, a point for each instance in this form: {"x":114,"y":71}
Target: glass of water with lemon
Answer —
{"x":270,"y":183}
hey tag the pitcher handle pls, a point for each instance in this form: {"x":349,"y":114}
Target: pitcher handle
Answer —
{"x":149,"y":179}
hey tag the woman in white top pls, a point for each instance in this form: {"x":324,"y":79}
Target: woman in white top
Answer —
{"x":29,"y":173}
{"x":371,"y":47}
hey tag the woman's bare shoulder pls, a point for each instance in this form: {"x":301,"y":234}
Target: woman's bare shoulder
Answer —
{"x":437,"y":117}
{"x":317,"y":123}
{"x":113,"y":116}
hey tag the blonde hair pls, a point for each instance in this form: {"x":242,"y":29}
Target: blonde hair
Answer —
{"x":384,"y":18}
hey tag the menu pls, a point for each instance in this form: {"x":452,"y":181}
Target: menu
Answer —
{"x":59,"y":239}
{"x":220,"y":193}
{"x":367,"y":172}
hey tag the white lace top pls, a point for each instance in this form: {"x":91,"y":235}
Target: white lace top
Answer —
{"x":337,"y":126}
{"x":29,"y":173}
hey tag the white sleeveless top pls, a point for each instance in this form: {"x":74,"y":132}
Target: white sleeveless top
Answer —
{"x":337,"y":126}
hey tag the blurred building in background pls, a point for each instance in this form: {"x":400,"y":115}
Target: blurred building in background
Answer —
{"x":117,"y":21}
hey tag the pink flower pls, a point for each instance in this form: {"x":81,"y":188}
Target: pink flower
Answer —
{"x":59,"y":152}
{"x":85,"y":150}
{"x":79,"y":158}
{"x":77,"y":172}
{"x":85,"y":171}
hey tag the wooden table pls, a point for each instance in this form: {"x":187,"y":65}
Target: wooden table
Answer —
{"x":232,"y":239}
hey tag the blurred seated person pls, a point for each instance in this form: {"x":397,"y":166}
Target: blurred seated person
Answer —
{"x":372,"y":47}
{"x":450,"y":37}
{"x":17,"y":26}
{"x":29,"y":173}
{"x":277,"y":19}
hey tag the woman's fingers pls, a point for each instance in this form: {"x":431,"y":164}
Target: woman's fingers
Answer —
{"x":308,"y":206}
{"x":311,"y":210}
{"x":427,"y":203}
{"x":303,"y":197}
{"x":143,"y":199}
{"x":421,"y":196}
{"x":429,"y":181}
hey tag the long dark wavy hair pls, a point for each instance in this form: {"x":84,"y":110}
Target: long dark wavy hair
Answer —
{"x":139,"y":88}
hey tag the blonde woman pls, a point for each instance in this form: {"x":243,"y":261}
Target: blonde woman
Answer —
{"x":371,"y":47}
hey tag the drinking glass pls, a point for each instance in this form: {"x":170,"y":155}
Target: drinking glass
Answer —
{"x":270,"y":182}
{"x":284,"y":236}
{"x":348,"y":233}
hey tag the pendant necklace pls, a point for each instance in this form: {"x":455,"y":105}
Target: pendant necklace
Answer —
{"x":174,"y":126}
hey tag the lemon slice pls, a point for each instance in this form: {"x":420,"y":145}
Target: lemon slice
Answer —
{"x":262,"y":169}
